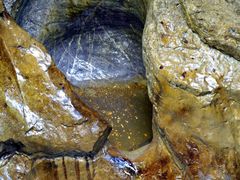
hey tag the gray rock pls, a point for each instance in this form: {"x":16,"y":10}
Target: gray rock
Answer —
{"x":12,"y":6}
{"x":217,"y":22}
{"x":94,"y":42}
{"x":8,"y":4}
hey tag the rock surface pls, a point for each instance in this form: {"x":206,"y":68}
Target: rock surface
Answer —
{"x":97,"y":45}
{"x":192,"y":63}
{"x":195,"y":92}
{"x":216,"y":22}
{"x":38,"y":107}
{"x":21,"y":166}
{"x":91,"y":42}
{"x":12,"y":6}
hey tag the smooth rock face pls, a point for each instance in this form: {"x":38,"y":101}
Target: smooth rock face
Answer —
{"x":94,"y":43}
{"x":195,"y":92}
{"x":217,"y":23}
{"x":38,"y":107}
{"x":101,"y":47}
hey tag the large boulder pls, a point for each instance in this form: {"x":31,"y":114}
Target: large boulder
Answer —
{"x":38,"y":106}
{"x":194,"y":88}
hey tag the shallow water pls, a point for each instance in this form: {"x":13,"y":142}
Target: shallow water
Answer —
{"x":127,"y":108}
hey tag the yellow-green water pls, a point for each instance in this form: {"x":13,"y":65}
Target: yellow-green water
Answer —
{"x":127,"y":108}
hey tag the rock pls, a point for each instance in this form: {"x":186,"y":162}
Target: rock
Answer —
{"x":12,"y":6}
{"x":193,"y":85}
{"x":97,"y":45}
{"x":156,"y":161}
{"x":37,"y":104}
{"x":21,"y":166}
{"x":195,"y":93}
{"x":91,"y":43}
{"x":18,"y":167}
{"x":9,"y":4}
{"x":217,"y":23}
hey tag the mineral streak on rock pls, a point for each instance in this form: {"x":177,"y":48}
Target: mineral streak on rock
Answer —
{"x":38,"y":107}
{"x":195,"y":92}
{"x":65,"y":166}
{"x":21,"y":166}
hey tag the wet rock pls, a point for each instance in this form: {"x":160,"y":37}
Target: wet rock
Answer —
{"x":12,"y":6}
{"x":97,"y":45}
{"x":9,"y":4}
{"x":91,"y":43}
{"x":195,"y":92}
{"x":21,"y":166}
{"x":217,"y":23}
{"x":37,"y":105}
{"x":17,"y":167}
{"x":156,"y":161}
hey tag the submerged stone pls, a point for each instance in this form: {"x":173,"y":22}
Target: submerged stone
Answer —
{"x":100,"y":44}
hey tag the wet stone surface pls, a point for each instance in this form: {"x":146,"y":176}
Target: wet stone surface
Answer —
{"x":98,"y":47}
{"x":193,"y":86}
{"x":100,"y":44}
{"x":22,"y":166}
{"x":97,"y":44}
{"x":38,"y":106}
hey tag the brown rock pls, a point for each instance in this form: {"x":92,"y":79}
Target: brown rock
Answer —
{"x":23,"y":167}
{"x":194,"y":90}
{"x":38,"y":106}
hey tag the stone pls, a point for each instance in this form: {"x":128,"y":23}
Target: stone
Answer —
{"x":194,"y":89}
{"x":91,"y":43}
{"x":193,"y":83}
{"x":17,"y":167}
{"x":21,"y":166}
{"x":216,"y":22}
{"x":38,"y":106}
{"x":12,"y":6}
{"x":97,"y":45}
